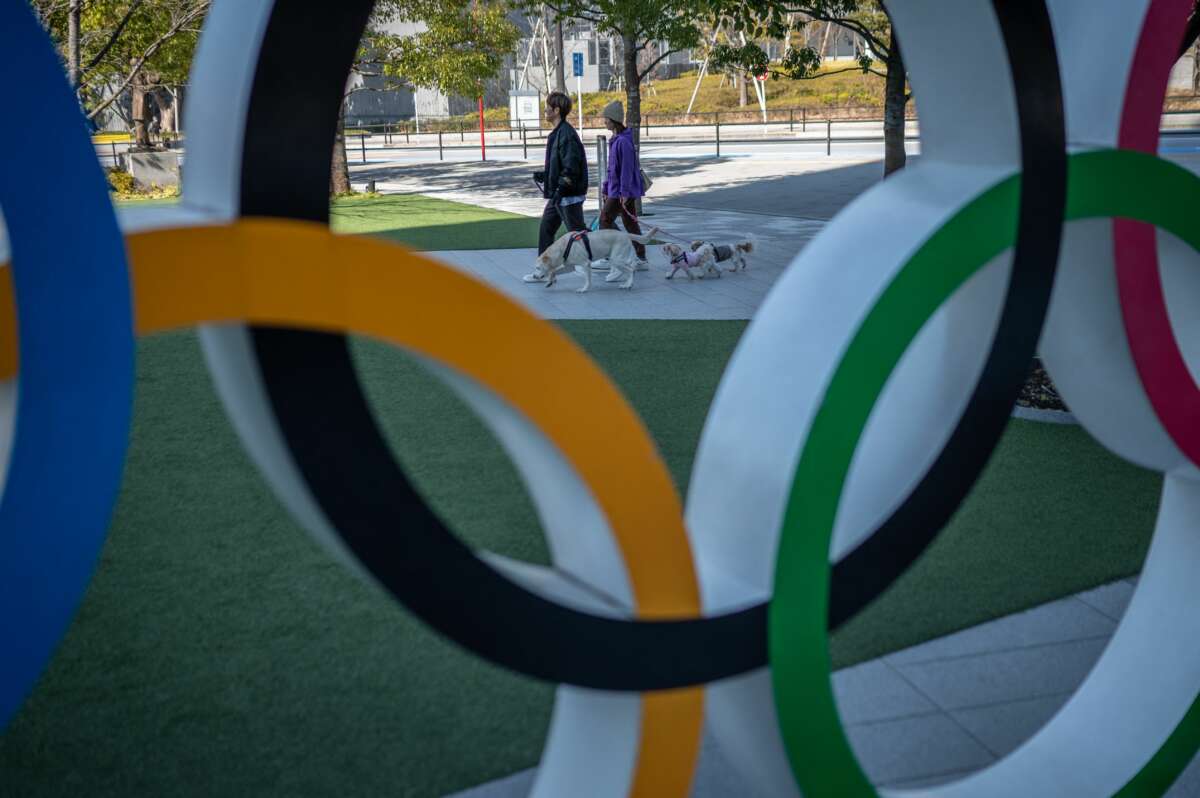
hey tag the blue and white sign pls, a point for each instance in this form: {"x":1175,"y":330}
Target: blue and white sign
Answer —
{"x":577,"y":63}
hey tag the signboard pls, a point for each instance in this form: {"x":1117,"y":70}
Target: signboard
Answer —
{"x":523,"y":108}
{"x":577,"y":64}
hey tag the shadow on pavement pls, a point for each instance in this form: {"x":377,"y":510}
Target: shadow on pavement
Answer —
{"x":811,"y":195}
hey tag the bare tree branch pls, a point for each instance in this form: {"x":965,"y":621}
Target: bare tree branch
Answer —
{"x":827,"y":74}
{"x":643,"y":73}
{"x":880,"y":47}
{"x":576,"y":14}
{"x":178,"y":25}
{"x":45,"y":9}
{"x":116,"y":34}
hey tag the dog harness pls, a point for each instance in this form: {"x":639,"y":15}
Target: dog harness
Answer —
{"x":686,"y":259}
{"x":580,"y":236}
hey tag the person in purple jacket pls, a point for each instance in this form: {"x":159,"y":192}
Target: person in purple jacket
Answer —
{"x":623,"y":184}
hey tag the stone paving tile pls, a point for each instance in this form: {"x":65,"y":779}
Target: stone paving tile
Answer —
{"x":1056,"y":622}
{"x":1111,"y":599}
{"x":873,"y":692}
{"x":716,"y":778}
{"x":1003,"y":727}
{"x":997,"y":677}
{"x":652,"y":297}
{"x":995,"y":700}
{"x":918,"y":747}
{"x":929,"y":781}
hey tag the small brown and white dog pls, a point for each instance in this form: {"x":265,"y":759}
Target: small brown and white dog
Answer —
{"x":578,"y":250}
{"x":703,"y":257}
{"x":736,"y":252}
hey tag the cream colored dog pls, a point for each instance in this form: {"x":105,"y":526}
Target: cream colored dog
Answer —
{"x":578,"y":250}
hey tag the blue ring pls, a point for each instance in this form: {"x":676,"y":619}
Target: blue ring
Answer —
{"x":75,"y":385}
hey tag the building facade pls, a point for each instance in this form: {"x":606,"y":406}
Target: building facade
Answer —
{"x":371,"y":100}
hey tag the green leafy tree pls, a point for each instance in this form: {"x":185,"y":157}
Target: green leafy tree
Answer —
{"x":462,"y":46}
{"x":640,"y":24}
{"x":781,"y":19}
{"x":113,"y":46}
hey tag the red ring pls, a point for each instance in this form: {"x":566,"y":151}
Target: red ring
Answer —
{"x":1160,"y":364}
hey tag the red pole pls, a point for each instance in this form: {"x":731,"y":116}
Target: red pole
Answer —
{"x":482,"y":139}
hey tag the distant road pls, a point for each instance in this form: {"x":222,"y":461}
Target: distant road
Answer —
{"x":1181,"y":137}
{"x":799,"y":149}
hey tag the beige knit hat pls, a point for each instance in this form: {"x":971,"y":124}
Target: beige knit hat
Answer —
{"x":614,"y":111}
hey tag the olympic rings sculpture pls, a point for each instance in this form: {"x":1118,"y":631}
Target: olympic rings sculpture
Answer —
{"x":1027,"y":225}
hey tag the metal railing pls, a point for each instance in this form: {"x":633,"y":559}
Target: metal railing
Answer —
{"x":713,"y":130}
{"x":715,"y":134}
{"x":461,"y":126}
{"x":112,"y":153}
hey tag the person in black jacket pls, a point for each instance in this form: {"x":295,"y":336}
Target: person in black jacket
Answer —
{"x":564,"y":181}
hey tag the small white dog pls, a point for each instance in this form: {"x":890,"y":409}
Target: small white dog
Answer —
{"x":737,"y":252}
{"x":578,"y":250}
{"x":703,"y":257}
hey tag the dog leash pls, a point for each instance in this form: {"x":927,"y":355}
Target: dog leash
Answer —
{"x":665,"y":234}
{"x":658,"y":230}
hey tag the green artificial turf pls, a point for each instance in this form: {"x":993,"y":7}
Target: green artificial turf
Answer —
{"x":220,"y":652}
{"x":429,"y":223}
{"x":421,"y":222}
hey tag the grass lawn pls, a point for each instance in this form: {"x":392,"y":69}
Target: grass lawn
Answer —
{"x":218,"y":651}
{"x":420,"y":222}
{"x":667,"y":96}
{"x":429,"y":223}
{"x":843,"y":90}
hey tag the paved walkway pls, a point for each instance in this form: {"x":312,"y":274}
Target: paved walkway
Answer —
{"x":732,"y":296}
{"x":815,"y":189}
{"x":946,"y":708}
{"x":780,"y":205}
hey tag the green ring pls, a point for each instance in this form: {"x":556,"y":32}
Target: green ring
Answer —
{"x":1101,"y":184}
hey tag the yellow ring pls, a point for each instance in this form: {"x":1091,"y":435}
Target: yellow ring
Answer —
{"x":298,"y":274}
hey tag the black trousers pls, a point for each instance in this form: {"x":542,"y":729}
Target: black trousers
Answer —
{"x":569,"y":216}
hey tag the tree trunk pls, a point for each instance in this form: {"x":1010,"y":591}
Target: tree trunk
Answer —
{"x":894,"y":100}
{"x":741,"y":84}
{"x":73,"y":11}
{"x":633,"y":92}
{"x":560,"y":69}
{"x":339,"y":176}
{"x":138,"y":91}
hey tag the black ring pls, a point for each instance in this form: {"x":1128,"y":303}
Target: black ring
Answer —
{"x":310,"y":378}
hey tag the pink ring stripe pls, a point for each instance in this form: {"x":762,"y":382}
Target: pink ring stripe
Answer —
{"x":1160,"y":364}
